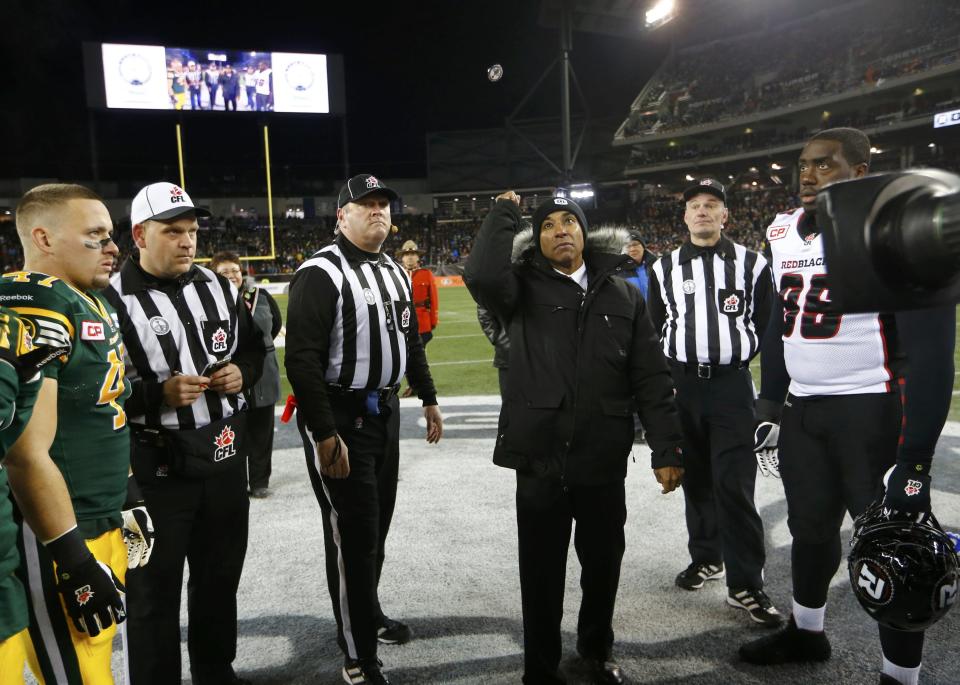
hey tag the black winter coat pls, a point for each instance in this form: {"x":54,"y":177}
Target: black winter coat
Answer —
{"x":580,"y":363}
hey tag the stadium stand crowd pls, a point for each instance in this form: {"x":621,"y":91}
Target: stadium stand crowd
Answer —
{"x":446,"y":245}
{"x":720,"y":80}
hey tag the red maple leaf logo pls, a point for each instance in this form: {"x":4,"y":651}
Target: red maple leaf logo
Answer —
{"x":226,"y":437}
{"x":176,"y":191}
{"x":219,"y":336}
{"x":731,"y":301}
{"x":84,"y":594}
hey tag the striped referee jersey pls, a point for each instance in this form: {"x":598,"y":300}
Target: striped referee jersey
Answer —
{"x":710,"y":305}
{"x":180,"y":326}
{"x":351,"y":324}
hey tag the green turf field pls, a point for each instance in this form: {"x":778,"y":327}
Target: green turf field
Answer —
{"x":460,"y":356}
{"x":461,"y":359}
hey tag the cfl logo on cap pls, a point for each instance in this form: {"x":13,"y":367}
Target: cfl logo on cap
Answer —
{"x":706,"y":182}
{"x":373,"y":182}
{"x":176,"y":195}
{"x":560,"y":201}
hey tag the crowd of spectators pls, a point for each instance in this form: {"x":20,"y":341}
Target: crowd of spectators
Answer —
{"x":829,"y":52}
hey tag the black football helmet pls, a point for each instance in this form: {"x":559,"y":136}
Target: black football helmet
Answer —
{"x":904,"y":574}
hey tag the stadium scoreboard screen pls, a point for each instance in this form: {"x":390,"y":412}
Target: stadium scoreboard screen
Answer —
{"x":158,"y":77}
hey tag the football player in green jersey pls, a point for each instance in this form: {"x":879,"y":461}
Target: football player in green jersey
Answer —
{"x":78,"y":421}
{"x":43,"y":501}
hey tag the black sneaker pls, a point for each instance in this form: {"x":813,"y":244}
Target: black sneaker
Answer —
{"x":758,"y":605}
{"x":888,"y":680}
{"x":365,"y":673}
{"x":393,"y":632}
{"x":786,"y":646}
{"x":695,"y":575}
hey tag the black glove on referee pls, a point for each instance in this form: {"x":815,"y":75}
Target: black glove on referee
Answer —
{"x":908,"y":488}
{"x":90,"y":590}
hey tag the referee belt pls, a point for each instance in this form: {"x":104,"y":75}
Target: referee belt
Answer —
{"x":707,"y":371}
{"x":383,"y":394}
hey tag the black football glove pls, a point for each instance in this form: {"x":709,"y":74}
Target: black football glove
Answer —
{"x":137,"y":527}
{"x":91,"y":592}
{"x":766,"y":438}
{"x":907,"y":488}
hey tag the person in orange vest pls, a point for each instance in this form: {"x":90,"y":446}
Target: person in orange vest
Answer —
{"x":424,"y":291}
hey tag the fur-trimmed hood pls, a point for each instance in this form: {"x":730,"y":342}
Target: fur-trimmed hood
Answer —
{"x":605,"y":239}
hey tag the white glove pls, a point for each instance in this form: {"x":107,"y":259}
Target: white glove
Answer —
{"x":138,"y":535}
{"x":765,"y":439}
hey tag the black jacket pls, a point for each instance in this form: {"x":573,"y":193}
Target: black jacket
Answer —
{"x":580,"y":363}
{"x":497,"y":334}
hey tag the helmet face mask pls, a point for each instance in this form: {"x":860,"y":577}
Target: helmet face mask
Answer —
{"x":905,"y":574}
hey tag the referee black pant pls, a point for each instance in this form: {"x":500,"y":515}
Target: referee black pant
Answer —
{"x":546,"y":511}
{"x":357,"y":511}
{"x":834,"y":451}
{"x":720,"y":471}
{"x":203,"y":521}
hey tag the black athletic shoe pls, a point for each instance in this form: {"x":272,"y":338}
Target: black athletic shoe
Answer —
{"x":758,"y":605}
{"x":260,"y":493}
{"x":888,"y":680}
{"x":695,"y":575}
{"x":605,"y":672}
{"x":787,"y":646}
{"x":393,"y":632}
{"x":363,"y":673}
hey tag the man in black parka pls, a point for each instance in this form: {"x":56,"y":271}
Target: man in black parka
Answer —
{"x":583,"y":357}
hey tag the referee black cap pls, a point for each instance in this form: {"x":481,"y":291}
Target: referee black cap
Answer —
{"x":706,"y":185}
{"x":362,"y":185}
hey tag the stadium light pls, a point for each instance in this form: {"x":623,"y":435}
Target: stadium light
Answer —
{"x":931,"y":145}
{"x":875,"y":151}
{"x":662,"y":12}
{"x":688,"y":177}
{"x":776,"y":167}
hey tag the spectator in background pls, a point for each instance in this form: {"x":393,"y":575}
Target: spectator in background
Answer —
{"x":640,"y":274}
{"x":262,"y":398}
{"x":230,"y":84}
{"x":425,"y":298}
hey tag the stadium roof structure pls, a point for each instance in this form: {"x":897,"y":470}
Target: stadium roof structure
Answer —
{"x":696,"y":20}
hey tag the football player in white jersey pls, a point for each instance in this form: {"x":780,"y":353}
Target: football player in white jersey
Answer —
{"x":831,"y":388}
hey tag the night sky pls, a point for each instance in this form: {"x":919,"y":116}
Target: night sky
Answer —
{"x":410,"y":68}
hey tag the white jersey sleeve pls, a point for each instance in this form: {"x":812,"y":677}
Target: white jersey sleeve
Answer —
{"x":826,"y":352}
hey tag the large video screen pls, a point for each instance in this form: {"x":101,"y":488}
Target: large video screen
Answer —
{"x":199,"y":79}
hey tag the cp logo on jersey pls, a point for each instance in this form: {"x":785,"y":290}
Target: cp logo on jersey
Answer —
{"x":777,"y":232}
{"x":92,"y":330}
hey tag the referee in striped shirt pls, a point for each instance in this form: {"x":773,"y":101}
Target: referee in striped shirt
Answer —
{"x":710,"y":301}
{"x":191,"y":349}
{"x":351,"y":336}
